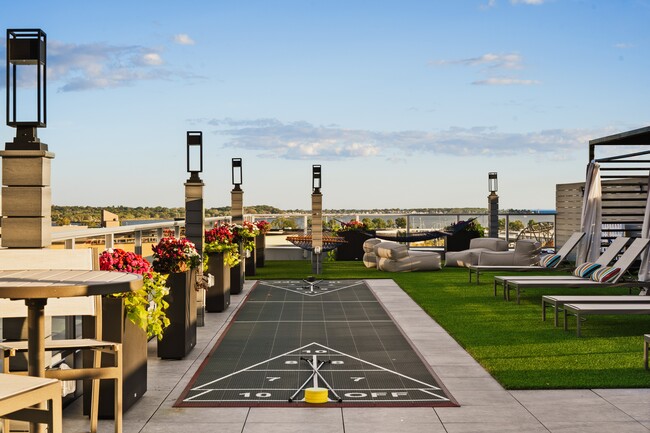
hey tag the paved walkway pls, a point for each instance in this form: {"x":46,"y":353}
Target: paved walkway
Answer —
{"x":485,"y":405}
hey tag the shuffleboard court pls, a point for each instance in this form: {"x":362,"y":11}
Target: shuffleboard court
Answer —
{"x":328,"y":343}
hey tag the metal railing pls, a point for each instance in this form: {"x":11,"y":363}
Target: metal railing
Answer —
{"x":153,"y":232}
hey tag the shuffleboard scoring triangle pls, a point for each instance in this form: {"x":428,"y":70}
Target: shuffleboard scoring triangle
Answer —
{"x":277,"y":378}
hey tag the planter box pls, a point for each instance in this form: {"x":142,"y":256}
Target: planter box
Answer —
{"x":217,"y":297}
{"x":353,"y":249}
{"x":251,"y":263}
{"x":179,"y":338}
{"x":260,"y":245}
{"x":118,"y":328}
{"x":237,"y":278}
{"x":459,"y":241}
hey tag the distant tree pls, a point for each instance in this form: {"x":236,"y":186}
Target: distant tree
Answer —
{"x":502,"y":223}
{"x":516,"y":226}
{"x":379,"y":223}
{"x":400,"y":222}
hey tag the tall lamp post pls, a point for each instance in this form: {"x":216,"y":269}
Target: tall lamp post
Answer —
{"x":316,"y":219}
{"x":26,"y":162}
{"x":493,"y":205}
{"x":195,"y":210}
{"x":237,"y":214}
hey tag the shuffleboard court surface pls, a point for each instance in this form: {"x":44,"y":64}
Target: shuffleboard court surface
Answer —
{"x":331,"y":336}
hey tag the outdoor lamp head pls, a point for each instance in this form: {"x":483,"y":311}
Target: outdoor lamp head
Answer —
{"x":316,"y":178}
{"x":493,"y":184}
{"x":26,"y":85}
{"x":237,"y":175}
{"x":194,"y":153}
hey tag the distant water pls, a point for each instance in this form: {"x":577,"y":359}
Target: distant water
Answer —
{"x":135,"y":222}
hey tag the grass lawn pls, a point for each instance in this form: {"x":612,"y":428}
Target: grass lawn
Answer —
{"x":511,"y":341}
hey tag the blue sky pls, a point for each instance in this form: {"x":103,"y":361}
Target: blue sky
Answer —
{"x":404,"y":103}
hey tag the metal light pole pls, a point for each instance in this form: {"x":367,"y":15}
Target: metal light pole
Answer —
{"x":26,"y":162}
{"x":493,"y":205}
{"x":316,"y":220}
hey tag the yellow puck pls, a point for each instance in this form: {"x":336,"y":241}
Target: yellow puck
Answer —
{"x":316,"y":395}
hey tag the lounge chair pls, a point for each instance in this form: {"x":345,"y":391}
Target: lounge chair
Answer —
{"x":605,"y":258}
{"x":558,"y":301}
{"x":581,"y":310}
{"x":551,"y":261}
{"x":613,"y":275}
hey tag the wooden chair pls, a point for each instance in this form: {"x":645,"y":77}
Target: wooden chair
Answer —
{"x":19,"y":393}
{"x":83,"y":259}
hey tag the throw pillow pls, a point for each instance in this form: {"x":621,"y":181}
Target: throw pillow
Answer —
{"x":586,"y":269}
{"x":550,"y":260}
{"x":606,"y":274}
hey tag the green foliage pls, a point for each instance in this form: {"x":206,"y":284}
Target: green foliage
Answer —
{"x":516,"y":226}
{"x":146,"y":307}
{"x":511,"y":341}
{"x":400,"y":222}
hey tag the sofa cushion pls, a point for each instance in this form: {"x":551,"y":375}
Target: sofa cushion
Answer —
{"x":416,"y":261}
{"x":492,"y":244}
{"x":369,"y":245}
{"x":463,"y":258}
{"x":391,"y":250}
{"x":370,"y":260}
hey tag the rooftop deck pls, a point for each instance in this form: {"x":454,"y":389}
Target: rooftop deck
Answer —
{"x":485,"y":405}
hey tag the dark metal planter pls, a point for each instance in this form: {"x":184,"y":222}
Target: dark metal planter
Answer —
{"x":459,"y":241}
{"x":353,"y":248}
{"x":217,"y":298}
{"x":237,"y":275}
{"x":118,"y":328}
{"x":260,"y":245}
{"x":179,"y":338}
{"x":251,"y":263}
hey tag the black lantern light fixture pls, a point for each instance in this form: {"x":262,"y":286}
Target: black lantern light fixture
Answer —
{"x":493,"y":184}
{"x":316,"y":178}
{"x":26,"y":87}
{"x":194,"y":154}
{"x":237,"y":175}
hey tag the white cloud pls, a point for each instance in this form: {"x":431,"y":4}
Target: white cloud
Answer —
{"x":152,"y":59}
{"x":490,"y":60}
{"x":527,"y":2}
{"x":183,"y":39}
{"x":490,"y":4}
{"x":504,"y":81}
{"x":623,"y":45}
{"x":302,"y":140}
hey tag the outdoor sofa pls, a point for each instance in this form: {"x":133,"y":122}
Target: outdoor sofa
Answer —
{"x":396,"y":257}
{"x":477,"y":246}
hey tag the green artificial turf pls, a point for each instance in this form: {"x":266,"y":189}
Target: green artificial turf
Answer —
{"x":511,"y":341}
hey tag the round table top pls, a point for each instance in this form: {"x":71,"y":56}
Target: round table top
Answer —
{"x":41,"y":284}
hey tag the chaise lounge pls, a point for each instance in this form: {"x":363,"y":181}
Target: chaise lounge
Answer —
{"x":395,"y":257}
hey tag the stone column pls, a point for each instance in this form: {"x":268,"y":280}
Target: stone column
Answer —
{"x":195,"y":232}
{"x":493,"y":215}
{"x":26,"y":198}
{"x":317,"y":231}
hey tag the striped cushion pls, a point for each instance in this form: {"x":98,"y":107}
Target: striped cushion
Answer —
{"x":606,"y":274}
{"x":586,"y":269}
{"x":550,"y":260}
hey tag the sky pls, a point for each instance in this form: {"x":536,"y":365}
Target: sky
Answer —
{"x":404,"y":104}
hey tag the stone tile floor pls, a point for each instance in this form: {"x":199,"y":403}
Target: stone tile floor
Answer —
{"x":485,"y":405}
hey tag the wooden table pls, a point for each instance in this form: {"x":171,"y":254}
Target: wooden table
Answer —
{"x":36,"y":286}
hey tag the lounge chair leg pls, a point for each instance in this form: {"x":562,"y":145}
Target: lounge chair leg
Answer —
{"x":557,"y":311}
{"x":565,"y":320}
